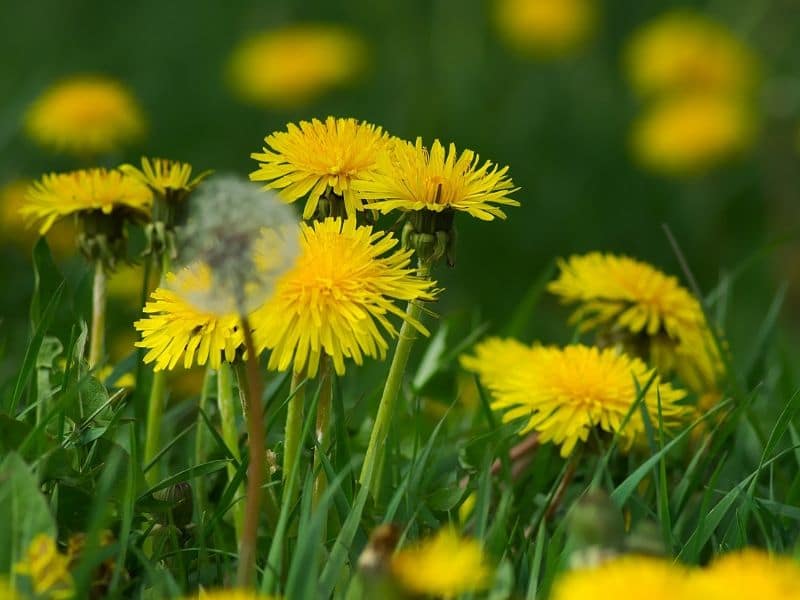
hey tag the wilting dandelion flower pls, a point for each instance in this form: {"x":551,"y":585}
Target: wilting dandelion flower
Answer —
{"x":445,"y":565}
{"x":294,"y":65}
{"x":685,"y":52}
{"x":85,"y":115}
{"x":545,"y":27}
{"x":565,"y":392}
{"x":625,"y":578}
{"x":332,"y":302}
{"x":746,"y":574}
{"x":47,"y":569}
{"x":410,"y":177}
{"x":692,"y":133}
{"x":93,"y":190}
{"x":647,"y":311}
{"x":316,"y":156}
{"x":167,"y":178}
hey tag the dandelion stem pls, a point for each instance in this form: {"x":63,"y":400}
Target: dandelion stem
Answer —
{"x":294,"y":423}
{"x":256,"y":469}
{"x":97,"y":341}
{"x":230,"y":435}
{"x":200,"y":438}
{"x":371,"y":470}
{"x":322,"y":429}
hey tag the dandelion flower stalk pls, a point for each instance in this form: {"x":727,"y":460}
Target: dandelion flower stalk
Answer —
{"x":323,"y":425}
{"x":209,"y":381}
{"x":230,"y":435}
{"x":294,"y":422}
{"x":97,"y":339}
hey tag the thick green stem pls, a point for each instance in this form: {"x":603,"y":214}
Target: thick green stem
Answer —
{"x":230,"y":435}
{"x":292,"y":439}
{"x":200,"y":439}
{"x":98,"y":334}
{"x":322,"y":430}
{"x":373,"y":460}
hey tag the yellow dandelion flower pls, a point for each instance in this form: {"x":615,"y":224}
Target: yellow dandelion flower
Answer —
{"x":61,"y":194}
{"x":565,"y":392}
{"x":60,"y":237}
{"x":342,"y":287}
{"x":409,"y":177}
{"x":747,"y":574}
{"x":292,"y":66}
{"x":545,"y":27}
{"x":317,"y":156}
{"x":493,"y":355}
{"x":85,"y":115}
{"x":445,"y":565}
{"x":693,"y":133}
{"x":176,"y":329}
{"x":165,"y":177}
{"x":682,"y":51}
{"x":624,"y":578}
{"x":47,"y":569}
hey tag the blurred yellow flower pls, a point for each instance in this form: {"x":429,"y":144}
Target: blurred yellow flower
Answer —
{"x":625,"y":578}
{"x":165,"y":177}
{"x":232,"y":594}
{"x":47,"y":569}
{"x":410,"y":177}
{"x":445,"y":565}
{"x":343,"y":285}
{"x":319,"y":156}
{"x":565,"y":392}
{"x":545,"y":27}
{"x":746,"y":574}
{"x":60,"y":194}
{"x":85,"y":115}
{"x":294,"y":65}
{"x":60,"y":237}
{"x":686,"y":52}
{"x":692,"y":133}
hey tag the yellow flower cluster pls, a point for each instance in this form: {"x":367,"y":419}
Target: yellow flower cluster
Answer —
{"x":47,"y":569}
{"x":699,"y":80}
{"x":545,"y":28}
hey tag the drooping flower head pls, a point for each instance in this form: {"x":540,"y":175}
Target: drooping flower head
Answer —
{"x":545,"y":27}
{"x":445,"y":565}
{"x":47,"y":569}
{"x":85,"y":115}
{"x":624,"y":578}
{"x":165,"y":177}
{"x":745,"y":574}
{"x":316,"y":156}
{"x":565,"y":392}
{"x":292,"y":66}
{"x":410,"y":177}
{"x":337,"y":298}
{"x":691,"y":133}
{"x":686,"y":52}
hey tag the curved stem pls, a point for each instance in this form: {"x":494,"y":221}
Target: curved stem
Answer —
{"x":230,"y":435}
{"x":322,"y":429}
{"x":97,"y":339}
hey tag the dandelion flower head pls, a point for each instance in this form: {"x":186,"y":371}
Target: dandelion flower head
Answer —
{"x":545,"y":27}
{"x":165,"y":177}
{"x":745,"y":574}
{"x":47,"y":569}
{"x":315,"y":156}
{"x":85,"y":115}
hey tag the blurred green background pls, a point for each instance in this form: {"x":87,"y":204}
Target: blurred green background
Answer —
{"x":437,"y":68}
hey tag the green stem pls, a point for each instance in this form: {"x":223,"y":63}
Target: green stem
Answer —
{"x":322,"y":430}
{"x":200,"y":439}
{"x":294,"y":422}
{"x":97,"y":340}
{"x":373,"y":460}
{"x":230,"y":435}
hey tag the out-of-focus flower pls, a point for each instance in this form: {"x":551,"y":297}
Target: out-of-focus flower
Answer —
{"x":344,"y":284}
{"x":60,"y":237}
{"x":750,"y":573}
{"x":686,"y":52}
{"x":315,"y":157}
{"x":545,"y":27}
{"x":232,"y":594}
{"x":692,"y":133}
{"x":167,"y":178}
{"x":625,"y":578}
{"x":445,"y":565}
{"x":565,"y":392}
{"x":296,"y":64}
{"x":410,"y":177}
{"x":85,"y":115}
{"x":47,"y":569}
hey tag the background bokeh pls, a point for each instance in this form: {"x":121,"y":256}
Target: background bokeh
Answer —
{"x":439,"y":68}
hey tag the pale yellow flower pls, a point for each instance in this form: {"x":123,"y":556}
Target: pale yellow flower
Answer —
{"x":545,"y":27}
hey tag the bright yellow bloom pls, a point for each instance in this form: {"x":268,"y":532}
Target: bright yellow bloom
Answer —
{"x":692,"y":133}
{"x":409,"y":177}
{"x":316,"y":156}
{"x":60,"y":194}
{"x":545,"y":27}
{"x":60,"y":238}
{"x":47,"y":569}
{"x":165,"y":177}
{"x":493,"y":357}
{"x":85,"y":115}
{"x":565,"y":392}
{"x":747,"y":574}
{"x":445,"y":565}
{"x":343,"y":285}
{"x":682,"y":51}
{"x":625,"y":578}
{"x":175,"y":329}
{"x":292,"y":66}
